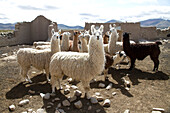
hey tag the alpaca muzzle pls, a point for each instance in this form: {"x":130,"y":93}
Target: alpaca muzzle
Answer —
{"x":97,"y":37}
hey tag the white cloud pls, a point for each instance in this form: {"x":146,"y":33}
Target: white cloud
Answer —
{"x":77,"y":12}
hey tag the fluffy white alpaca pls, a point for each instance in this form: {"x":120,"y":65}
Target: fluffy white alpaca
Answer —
{"x":87,"y":35}
{"x":65,"y":41}
{"x":80,"y":66}
{"x":39,"y":59}
{"x":84,"y":46}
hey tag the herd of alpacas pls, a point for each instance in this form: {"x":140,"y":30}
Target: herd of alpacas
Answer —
{"x":84,"y":57}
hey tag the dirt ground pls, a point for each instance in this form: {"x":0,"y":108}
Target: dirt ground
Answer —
{"x":148,"y":89}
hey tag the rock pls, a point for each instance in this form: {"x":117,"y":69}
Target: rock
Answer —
{"x":114,"y":93}
{"x":66,"y":103}
{"x":71,"y":99}
{"x":93,"y":80}
{"x":70,"y":80}
{"x":53,"y":94}
{"x":61,"y":111}
{"x":74,"y":87}
{"x":42,"y":95}
{"x":66,"y":91}
{"x":158,"y":109}
{"x":40,"y":110}
{"x":23,"y":102}
{"x":12,"y":107}
{"x":24,"y":112}
{"x":67,"y":86}
{"x":78,"y":104}
{"x":59,"y":105}
{"x":31,"y":92}
{"x":98,"y":110}
{"x":109,"y":86}
{"x":50,"y":103}
{"x":47,"y":96}
{"x":106,"y":103}
{"x":55,"y":99}
{"x":77,"y":93}
{"x":29,"y":110}
{"x":101,"y":85}
{"x":48,"y":107}
{"x":90,"y":107}
{"x":93,"y":100}
{"x":127,"y":111}
{"x":99,"y":98}
{"x":127,"y":88}
{"x":156,"y":112}
{"x":97,"y":94}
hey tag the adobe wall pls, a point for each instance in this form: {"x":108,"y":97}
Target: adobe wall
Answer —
{"x":137,"y":32}
{"x":162,"y":33}
{"x":39,"y":29}
{"x":28,"y":32}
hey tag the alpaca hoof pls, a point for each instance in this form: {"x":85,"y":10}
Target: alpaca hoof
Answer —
{"x":106,"y":78}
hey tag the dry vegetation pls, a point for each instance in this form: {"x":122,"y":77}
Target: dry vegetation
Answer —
{"x":148,"y":89}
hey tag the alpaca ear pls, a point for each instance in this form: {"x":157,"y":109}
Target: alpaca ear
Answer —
{"x":101,"y":28}
{"x":59,"y":31}
{"x":52,"y":31}
{"x":88,"y":32}
{"x":92,"y":29}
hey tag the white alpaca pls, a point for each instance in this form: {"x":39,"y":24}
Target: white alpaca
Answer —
{"x":65,"y":41}
{"x":80,"y":66}
{"x":87,"y":35}
{"x":113,"y":37}
{"x":39,"y":59}
{"x":84,"y":46}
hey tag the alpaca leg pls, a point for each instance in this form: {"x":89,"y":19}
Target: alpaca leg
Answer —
{"x":53,"y":83}
{"x":47,"y":75}
{"x":24,"y":73}
{"x":132,"y":63}
{"x":105,"y":74}
{"x":86,"y":88}
{"x":156,"y":63}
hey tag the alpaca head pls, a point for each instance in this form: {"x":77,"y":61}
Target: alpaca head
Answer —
{"x":66,"y":35}
{"x":126,"y":36}
{"x":97,"y":32}
{"x":55,"y":35}
{"x":120,"y":55}
{"x":76,"y":33}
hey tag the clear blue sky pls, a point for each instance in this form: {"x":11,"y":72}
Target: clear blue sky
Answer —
{"x":77,"y":12}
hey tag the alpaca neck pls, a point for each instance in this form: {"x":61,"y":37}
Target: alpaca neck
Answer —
{"x":126,"y":44}
{"x":96,"y":51}
{"x":65,"y":42}
{"x":75,"y":43}
{"x":112,"y":43}
{"x":55,"y":46}
{"x":84,"y":45}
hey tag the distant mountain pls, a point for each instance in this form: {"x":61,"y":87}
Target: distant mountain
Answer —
{"x":159,"y":23}
{"x":112,"y":21}
{"x":62,"y":26}
{"x":8,"y":26}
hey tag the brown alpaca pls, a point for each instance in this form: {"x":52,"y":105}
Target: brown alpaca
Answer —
{"x":141,"y":51}
{"x":74,"y":43}
{"x":105,"y":39}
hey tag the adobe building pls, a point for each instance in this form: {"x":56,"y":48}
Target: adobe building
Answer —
{"x":28,"y":32}
{"x":137,"y":32}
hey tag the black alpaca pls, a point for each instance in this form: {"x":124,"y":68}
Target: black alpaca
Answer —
{"x":141,"y":51}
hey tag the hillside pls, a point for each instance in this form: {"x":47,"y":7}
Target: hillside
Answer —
{"x":159,"y":23}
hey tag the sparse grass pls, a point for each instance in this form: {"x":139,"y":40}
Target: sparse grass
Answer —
{"x":6,"y":30}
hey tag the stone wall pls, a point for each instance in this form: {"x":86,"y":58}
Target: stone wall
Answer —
{"x":28,"y":32}
{"x":137,"y":32}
